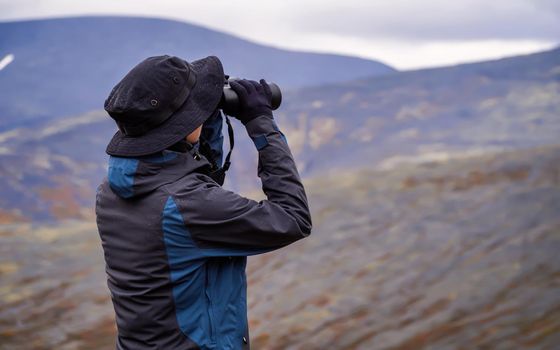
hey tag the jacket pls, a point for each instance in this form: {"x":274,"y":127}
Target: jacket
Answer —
{"x":176,"y":243}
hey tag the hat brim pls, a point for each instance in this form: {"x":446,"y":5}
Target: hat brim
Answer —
{"x":199,"y":106}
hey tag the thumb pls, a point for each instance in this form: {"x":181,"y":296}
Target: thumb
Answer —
{"x":239,"y":89}
{"x":266,"y":88}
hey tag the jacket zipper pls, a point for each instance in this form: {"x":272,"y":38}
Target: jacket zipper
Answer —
{"x":210,"y":309}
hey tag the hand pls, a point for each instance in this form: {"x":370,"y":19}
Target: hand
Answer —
{"x":254,"y":99}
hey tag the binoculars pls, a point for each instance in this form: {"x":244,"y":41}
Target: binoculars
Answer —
{"x":230,"y":101}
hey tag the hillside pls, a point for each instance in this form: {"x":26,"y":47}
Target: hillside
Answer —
{"x":67,"y":66}
{"x":424,"y":256}
{"x":52,"y":168}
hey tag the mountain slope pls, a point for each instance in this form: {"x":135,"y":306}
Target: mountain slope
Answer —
{"x":66,"y":66}
{"x":512,"y":102}
{"x":461,"y":252}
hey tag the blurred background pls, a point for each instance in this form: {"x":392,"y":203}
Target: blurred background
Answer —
{"x":426,"y":132}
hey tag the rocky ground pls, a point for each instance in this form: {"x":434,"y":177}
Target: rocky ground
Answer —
{"x":458,"y":254}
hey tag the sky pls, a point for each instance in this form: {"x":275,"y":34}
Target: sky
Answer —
{"x":406,"y":34}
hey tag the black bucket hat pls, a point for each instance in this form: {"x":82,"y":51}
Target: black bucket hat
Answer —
{"x":161,"y":101}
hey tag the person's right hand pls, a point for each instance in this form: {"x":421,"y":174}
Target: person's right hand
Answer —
{"x":254,"y":99}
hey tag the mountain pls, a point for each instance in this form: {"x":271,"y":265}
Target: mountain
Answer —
{"x":435,"y":197}
{"x":67,"y":66}
{"x":52,"y":168}
{"x":420,"y":257}
{"x":431,"y":113}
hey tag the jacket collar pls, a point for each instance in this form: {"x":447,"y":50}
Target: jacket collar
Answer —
{"x":135,"y":176}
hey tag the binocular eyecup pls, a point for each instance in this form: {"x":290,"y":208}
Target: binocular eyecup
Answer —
{"x":230,"y":101}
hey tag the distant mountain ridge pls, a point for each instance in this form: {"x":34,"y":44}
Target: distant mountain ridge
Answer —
{"x":380,"y":122}
{"x":508,"y":103}
{"x":66,"y":66}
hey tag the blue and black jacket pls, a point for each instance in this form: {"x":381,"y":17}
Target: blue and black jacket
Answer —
{"x":176,"y":242}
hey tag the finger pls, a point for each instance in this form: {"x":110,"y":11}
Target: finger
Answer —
{"x":237,"y":87}
{"x":257,"y":86}
{"x":266,"y":88}
{"x":248,"y":86}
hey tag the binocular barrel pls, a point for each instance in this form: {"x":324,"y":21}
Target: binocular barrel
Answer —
{"x":230,"y":101}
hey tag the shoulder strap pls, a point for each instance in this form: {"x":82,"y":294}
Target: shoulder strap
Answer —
{"x":227,"y":162}
{"x":217,"y":173}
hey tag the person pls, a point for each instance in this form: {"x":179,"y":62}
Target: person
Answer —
{"x":175,"y":241}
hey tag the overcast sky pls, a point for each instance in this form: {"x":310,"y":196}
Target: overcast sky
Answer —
{"x":403,"y":33}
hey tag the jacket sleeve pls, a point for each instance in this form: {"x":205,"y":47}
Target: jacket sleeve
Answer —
{"x":224,"y":223}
